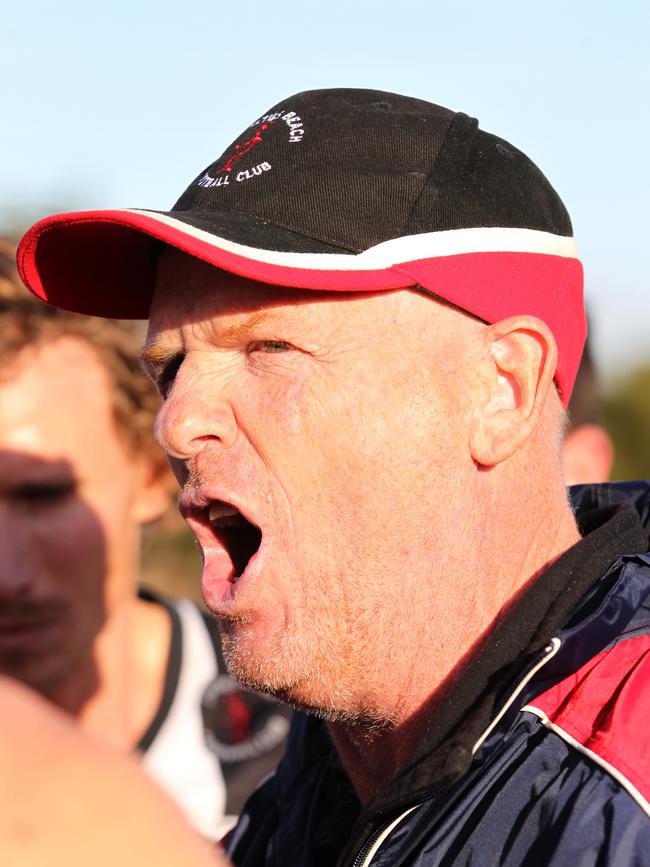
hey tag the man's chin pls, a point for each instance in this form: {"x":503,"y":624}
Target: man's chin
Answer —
{"x":298,"y":689}
{"x":287,"y":667}
{"x":259,"y":672}
{"x":266,"y":666}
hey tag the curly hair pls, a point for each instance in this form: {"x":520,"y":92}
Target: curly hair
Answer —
{"x":26,"y":322}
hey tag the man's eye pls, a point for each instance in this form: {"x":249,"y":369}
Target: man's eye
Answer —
{"x":269,"y":346}
{"x":166,"y":378}
{"x":43,"y":494}
{"x":164,"y":386}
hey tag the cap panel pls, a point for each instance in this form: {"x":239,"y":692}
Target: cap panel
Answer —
{"x":488,"y":182}
{"x":348,"y":175}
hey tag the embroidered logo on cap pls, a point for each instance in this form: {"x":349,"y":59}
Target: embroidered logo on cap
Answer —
{"x":223,"y":174}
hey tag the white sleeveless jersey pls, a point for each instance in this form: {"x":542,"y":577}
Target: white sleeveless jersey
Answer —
{"x":210,"y":741}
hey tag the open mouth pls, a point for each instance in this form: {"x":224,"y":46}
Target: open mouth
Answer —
{"x":236,"y":534}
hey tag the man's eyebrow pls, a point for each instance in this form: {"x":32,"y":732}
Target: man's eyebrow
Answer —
{"x":156,"y":358}
{"x":153,"y":355}
{"x":233,"y":334}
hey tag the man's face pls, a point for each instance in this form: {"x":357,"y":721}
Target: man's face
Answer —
{"x":334,"y":424}
{"x":67,"y":534}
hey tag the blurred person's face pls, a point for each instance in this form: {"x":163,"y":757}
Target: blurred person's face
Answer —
{"x":587,"y":455}
{"x":71,"y":497}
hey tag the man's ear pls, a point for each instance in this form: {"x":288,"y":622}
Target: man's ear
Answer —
{"x":155,"y":487}
{"x":518,"y":365}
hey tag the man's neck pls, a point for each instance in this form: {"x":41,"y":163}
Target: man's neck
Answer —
{"x":371,"y":754}
{"x":488,"y":579}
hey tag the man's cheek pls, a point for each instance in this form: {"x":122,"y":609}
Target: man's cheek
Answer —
{"x":288,"y":404}
{"x":74,"y":542}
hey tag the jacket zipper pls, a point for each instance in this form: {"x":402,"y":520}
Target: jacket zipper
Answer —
{"x":372,"y":844}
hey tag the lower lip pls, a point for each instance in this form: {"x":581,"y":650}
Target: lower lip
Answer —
{"x":219,"y":591}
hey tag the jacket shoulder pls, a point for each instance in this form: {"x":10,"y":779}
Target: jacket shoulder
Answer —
{"x":601,"y":711}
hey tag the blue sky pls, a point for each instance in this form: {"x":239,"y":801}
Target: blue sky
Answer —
{"x":122,"y":104}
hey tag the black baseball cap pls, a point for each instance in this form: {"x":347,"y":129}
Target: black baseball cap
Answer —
{"x":342,"y":190}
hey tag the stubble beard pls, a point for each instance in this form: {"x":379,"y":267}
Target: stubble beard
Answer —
{"x":285,"y":670}
{"x":312,"y":672}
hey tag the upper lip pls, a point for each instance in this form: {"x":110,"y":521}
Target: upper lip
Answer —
{"x":193,"y":504}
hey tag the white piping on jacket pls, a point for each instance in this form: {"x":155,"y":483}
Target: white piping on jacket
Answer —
{"x":373,"y":850}
{"x":552,"y":649}
{"x":614,"y":772}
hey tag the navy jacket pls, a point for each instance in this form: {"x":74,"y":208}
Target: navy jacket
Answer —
{"x":559,"y":775}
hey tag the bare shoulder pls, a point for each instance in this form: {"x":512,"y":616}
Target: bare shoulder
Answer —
{"x":67,"y":800}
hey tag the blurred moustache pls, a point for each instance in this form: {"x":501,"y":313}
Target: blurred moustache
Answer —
{"x":29,"y":612}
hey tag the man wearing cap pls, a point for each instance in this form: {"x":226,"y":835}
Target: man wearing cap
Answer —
{"x":365,"y":335}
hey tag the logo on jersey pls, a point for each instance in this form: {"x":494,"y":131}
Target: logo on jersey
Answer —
{"x":239,"y":724}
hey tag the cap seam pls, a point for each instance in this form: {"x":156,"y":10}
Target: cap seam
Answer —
{"x":443,"y":165}
{"x":276,"y":225}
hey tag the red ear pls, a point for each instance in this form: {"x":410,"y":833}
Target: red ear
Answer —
{"x":587,"y":455}
{"x":155,"y":485}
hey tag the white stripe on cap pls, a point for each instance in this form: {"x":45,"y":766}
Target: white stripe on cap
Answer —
{"x":428,"y":245}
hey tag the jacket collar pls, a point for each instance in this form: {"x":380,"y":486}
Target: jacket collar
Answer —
{"x":467,"y":705}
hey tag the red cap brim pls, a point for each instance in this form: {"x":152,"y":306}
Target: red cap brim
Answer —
{"x":103,"y":263}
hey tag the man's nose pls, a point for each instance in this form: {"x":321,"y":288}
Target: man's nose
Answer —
{"x":193,"y":417}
